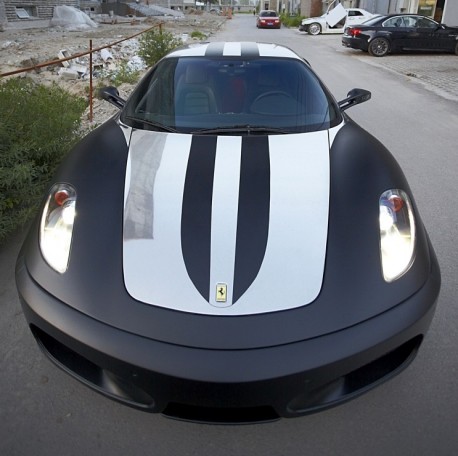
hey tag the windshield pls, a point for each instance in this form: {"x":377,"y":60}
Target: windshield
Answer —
{"x":189,"y":94}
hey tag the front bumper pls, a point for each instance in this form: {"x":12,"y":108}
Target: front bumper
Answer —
{"x":228,"y":385}
{"x":269,"y":25}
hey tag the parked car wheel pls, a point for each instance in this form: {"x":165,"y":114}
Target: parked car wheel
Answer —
{"x":314,"y":29}
{"x":379,"y":47}
{"x":456,"y":49}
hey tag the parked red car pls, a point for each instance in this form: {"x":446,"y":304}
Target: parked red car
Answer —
{"x":268,"y":19}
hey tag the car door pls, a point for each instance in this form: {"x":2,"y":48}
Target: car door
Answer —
{"x":397,"y":31}
{"x":435,"y":36}
{"x":423,"y":33}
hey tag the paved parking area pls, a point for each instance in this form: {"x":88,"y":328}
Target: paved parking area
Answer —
{"x":438,"y":72}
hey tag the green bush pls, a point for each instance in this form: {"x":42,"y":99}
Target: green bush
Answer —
{"x":154,"y":45}
{"x":198,"y":35}
{"x":123,"y":74}
{"x":291,"y":21}
{"x":38,"y":125}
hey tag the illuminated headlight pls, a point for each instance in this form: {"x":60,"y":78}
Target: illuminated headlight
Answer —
{"x":56,"y":226}
{"x":397,"y":234}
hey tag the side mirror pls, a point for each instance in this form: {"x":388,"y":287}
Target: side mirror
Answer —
{"x":111,"y":95}
{"x":354,"y":97}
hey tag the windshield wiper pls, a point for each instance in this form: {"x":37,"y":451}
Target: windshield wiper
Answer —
{"x":152,"y":123}
{"x":241,"y":129}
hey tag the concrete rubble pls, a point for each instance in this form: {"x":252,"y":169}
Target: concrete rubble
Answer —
{"x":71,"y":18}
{"x":24,"y":45}
{"x":105,"y":62}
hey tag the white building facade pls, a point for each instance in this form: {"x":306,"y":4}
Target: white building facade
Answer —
{"x":445,"y":11}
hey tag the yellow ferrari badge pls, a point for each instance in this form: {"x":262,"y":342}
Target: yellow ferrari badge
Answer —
{"x":221,"y":292}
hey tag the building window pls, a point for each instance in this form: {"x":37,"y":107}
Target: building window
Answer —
{"x":26,"y":11}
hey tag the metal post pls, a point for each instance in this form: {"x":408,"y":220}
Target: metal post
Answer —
{"x":90,"y":82}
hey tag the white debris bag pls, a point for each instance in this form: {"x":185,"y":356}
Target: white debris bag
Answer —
{"x":71,"y":18}
{"x":106,"y":55}
{"x":136,"y":63}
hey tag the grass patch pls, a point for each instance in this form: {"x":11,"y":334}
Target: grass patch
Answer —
{"x":38,"y":126}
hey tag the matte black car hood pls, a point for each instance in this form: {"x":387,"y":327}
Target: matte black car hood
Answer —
{"x":353,"y":289}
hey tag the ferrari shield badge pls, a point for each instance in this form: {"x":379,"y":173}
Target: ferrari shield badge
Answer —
{"x":221,"y":292}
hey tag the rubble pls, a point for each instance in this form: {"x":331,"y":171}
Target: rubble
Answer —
{"x":21,"y":48}
{"x":71,"y":19}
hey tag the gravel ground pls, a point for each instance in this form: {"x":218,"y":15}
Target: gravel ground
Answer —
{"x":26,"y":44}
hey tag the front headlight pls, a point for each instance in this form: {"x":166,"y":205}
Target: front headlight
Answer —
{"x":397,"y":234}
{"x":56,"y":226}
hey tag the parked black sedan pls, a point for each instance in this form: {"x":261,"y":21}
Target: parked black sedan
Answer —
{"x":399,"y":32}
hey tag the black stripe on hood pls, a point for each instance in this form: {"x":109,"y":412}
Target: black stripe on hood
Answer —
{"x":197,"y":211}
{"x":253,"y":212}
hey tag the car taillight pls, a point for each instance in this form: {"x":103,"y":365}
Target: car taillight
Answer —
{"x":354,"y":32}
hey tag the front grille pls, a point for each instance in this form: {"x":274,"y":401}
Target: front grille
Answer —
{"x":223,"y":415}
{"x":358,"y":381}
{"x":101,"y":379}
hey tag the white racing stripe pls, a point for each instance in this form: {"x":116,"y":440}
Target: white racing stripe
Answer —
{"x":292,"y":270}
{"x":234,"y":49}
{"x":291,"y":274}
{"x":154,"y":271}
{"x":224,"y":215}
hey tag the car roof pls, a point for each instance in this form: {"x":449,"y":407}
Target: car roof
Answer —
{"x":230,"y":49}
{"x":387,"y":16}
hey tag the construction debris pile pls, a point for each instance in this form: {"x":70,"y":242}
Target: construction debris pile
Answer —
{"x":69,"y":34}
{"x":71,"y":18}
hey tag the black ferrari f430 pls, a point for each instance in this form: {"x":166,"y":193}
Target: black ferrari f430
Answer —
{"x":229,"y":247}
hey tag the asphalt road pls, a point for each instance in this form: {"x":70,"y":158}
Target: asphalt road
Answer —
{"x":45,"y":412}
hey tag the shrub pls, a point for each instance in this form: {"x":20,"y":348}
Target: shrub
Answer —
{"x":38,"y":125}
{"x":155,"y":44}
{"x":198,"y":35}
{"x":123,"y":74}
{"x":291,"y":21}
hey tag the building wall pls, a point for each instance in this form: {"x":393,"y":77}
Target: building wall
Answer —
{"x":268,"y":5}
{"x":2,"y":14}
{"x":445,"y":11}
{"x":312,"y":8}
{"x":42,"y":9}
{"x":375,"y":6}
{"x":450,"y":13}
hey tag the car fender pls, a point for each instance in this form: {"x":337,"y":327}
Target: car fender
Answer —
{"x":380,"y":34}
